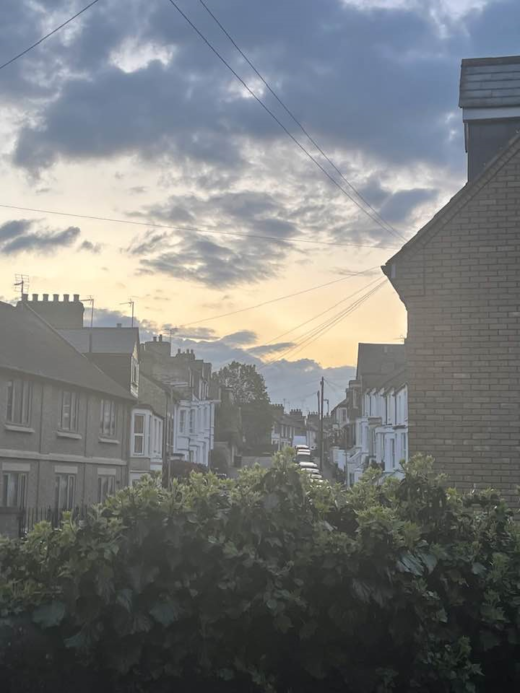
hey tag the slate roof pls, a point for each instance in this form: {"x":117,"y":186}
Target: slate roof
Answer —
{"x":377,"y":363}
{"x":31,"y":346}
{"x":490,"y":82}
{"x":105,"y":340}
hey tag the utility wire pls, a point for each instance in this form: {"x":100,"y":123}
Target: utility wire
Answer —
{"x":298,"y":122}
{"x":280,"y":298}
{"x":338,"y":319}
{"x":51,"y":33}
{"x":275,"y":339}
{"x":209,"y":232}
{"x":277,"y":120}
{"x":311,"y":335}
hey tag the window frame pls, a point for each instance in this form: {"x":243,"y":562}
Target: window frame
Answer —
{"x":20,"y":490}
{"x":73,"y":424}
{"x":17,"y":387}
{"x":108,"y":431}
{"x":110,"y":481}
{"x":182,"y":421}
{"x":70,"y":491}
{"x":138,"y":435}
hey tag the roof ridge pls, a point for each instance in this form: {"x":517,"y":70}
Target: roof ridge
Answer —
{"x":459,"y":200}
{"x":69,"y":345}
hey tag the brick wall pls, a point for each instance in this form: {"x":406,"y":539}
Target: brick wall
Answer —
{"x":460,"y":282}
{"x":39,"y":450}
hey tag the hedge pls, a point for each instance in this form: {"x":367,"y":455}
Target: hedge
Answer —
{"x":271,"y":582}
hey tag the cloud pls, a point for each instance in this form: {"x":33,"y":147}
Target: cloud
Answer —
{"x":193,"y":332}
{"x":241,"y":338}
{"x":267,"y":349}
{"x":399,"y":206}
{"x":12,"y":229}
{"x":90,"y":247}
{"x":18,"y":237}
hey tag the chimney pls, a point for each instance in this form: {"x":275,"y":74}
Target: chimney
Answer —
{"x":25,"y":298}
{"x":76,"y":298}
{"x":160,"y":337}
{"x":119,"y":324}
{"x":65,"y":315}
{"x":490,"y":102}
{"x":154,"y":338}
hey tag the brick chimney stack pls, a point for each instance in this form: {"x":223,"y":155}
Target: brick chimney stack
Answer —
{"x":62,"y":315}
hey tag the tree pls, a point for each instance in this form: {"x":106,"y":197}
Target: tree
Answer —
{"x":250,"y":394}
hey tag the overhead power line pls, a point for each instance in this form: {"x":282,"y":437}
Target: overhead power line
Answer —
{"x":279,"y":122}
{"x":297,"y":121}
{"x":51,"y":33}
{"x":284,"y":334}
{"x":280,"y":298}
{"x":312,"y":335}
{"x":209,"y":232}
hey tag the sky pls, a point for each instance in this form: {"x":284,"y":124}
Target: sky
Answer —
{"x":127,"y":114}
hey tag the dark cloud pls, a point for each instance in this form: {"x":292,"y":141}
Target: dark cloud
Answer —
{"x":18,"y":237}
{"x":267,"y":349}
{"x":193,"y":332}
{"x":242,"y":338}
{"x":12,"y":229}
{"x":400,"y":205}
{"x":90,"y":247}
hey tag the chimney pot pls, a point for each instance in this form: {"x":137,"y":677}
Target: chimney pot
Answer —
{"x":55,"y":297}
{"x":119,"y":324}
{"x":45,"y":297}
{"x":179,"y":351}
{"x":154,"y":338}
{"x":160,"y":337}
{"x":66,"y":297}
{"x":76,"y":297}
{"x":35,"y":297}
{"x":25,"y":297}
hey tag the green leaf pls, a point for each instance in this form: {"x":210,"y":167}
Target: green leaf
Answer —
{"x":408,"y":563}
{"x":49,"y":615}
{"x":166,"y":612}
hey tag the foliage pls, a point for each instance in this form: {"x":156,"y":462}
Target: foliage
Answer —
{"x":250,"y":394}
{"x":271,"y":582}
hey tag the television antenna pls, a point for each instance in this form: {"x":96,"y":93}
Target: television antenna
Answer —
{"x":90,"y":300}
{"x":22,"y":282}
{"x":132,"y":304}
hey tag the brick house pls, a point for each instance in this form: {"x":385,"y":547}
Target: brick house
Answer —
{"x":459,"y":280}
{"x":63,"y":423}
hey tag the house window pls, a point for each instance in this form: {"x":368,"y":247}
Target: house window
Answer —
{"x":19,"y":397}
{"x":106,"y":487}
{"x":107,"y":425}
{"x":138,"y":434}
{"x":182,"y":421}
{"x":192,"y":420}
{"x":170,"y":433}
{"x":65,"y":490}
{"x":392,"y":452}
{"x":351,"y":479}
{"x":206,"y":417}
{"x":135,"y":372}
{"x":404,"y":446}
{"x":69,"y":410}
{"x":344,"y":415}
{"x":15,"y":489}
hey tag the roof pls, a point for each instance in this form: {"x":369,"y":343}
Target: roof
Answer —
{"x":31,"y":346}
{"x":105,"y":340}
{"x":379,"y":362}
{"x":490,"y":82}
{"x":343,"y":403}
{"x":456,"y":204}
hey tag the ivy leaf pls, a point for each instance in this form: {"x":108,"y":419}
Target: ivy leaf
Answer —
{"x":408,"y":563}
{"x":49,"y":615}
{"x":124,"y":599}
{"x":165,"y":613}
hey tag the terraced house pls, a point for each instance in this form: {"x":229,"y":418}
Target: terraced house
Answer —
{"x":64,"y":425}
{"x":459,"y":279}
